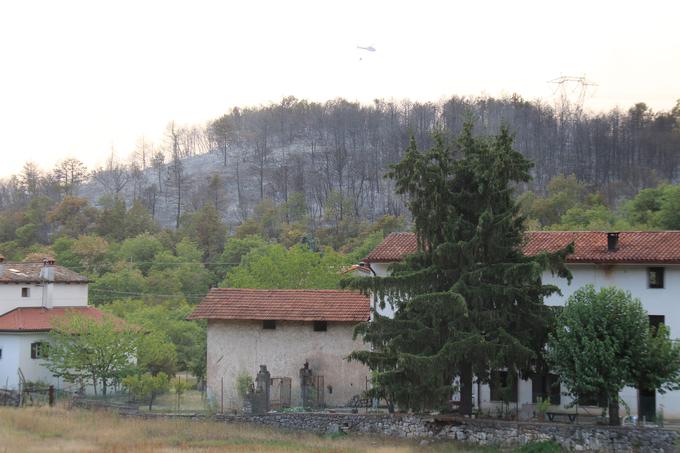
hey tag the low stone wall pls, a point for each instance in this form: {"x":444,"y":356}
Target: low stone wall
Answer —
{"x":477,"y":431}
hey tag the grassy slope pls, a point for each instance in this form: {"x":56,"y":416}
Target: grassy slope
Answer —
{"x":45,"y":429}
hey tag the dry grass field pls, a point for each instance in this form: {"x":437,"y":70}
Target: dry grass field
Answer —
{"x":57,"y":429}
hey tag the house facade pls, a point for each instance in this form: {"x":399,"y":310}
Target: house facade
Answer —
{"x":647,"y":264}
{"x":284,"y":330}
{"x":31,"y":296}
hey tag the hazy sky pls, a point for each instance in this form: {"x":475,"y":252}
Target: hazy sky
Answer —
{"x":80,"y":78}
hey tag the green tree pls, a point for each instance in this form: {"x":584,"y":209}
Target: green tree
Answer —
{"x":207,"y":230}
{"x":73,"y":216}
{"x":138,"y":220}
{"x":167,"y":318}
{"x":111,"y":221}
{"x":274,"y":266}
{"x":121,"y":283}
{"x":140,"y":251}
{"x":92,"y":251}
{"x":468,"y":301}
{"x":156,"y":353}
{"x":597,"y":343}
{"x":146,"y":387}
{"x":85,"y":349}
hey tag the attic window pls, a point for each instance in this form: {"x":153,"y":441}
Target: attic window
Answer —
{"x":655,"y":277}
{"x":320,"y":326}
{"x":25,"y":292}
{"x":269,"y":324}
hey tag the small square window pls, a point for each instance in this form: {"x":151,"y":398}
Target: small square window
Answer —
{"x":655,"y":277}
{"x":39,"y":350}
{"x":269,"y":324}
{"x":25,"y":292}
{"x":320,"y":326}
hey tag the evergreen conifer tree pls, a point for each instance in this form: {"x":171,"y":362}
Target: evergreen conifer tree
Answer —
{"x":468,"y":301}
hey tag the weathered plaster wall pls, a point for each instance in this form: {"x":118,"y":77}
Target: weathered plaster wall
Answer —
{"x":242,"y":346}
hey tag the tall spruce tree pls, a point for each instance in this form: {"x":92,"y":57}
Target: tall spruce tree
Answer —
{"x":468,"y":301}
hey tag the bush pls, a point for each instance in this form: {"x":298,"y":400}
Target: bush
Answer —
{"x":243,"y":384}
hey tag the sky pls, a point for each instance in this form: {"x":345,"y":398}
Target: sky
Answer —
{"x":85,"y":78}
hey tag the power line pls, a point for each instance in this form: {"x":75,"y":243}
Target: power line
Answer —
{"x":132,"y":293}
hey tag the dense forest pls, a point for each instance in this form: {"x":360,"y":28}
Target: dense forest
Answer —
{"x":290,"y":194}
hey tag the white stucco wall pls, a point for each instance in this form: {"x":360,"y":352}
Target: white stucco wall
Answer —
{"x":63,"y":295}
{"x":16,"y":353}
{"x":657,"y":301}
{"x":237,"y":346}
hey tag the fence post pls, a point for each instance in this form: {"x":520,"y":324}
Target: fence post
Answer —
{"x":50,"y":395}
{"x":222,"y":395}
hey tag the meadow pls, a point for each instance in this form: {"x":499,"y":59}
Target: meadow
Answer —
{"x":44,"y":429}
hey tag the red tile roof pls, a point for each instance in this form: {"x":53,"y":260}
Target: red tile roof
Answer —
{"x":662,"y":247}
{"x":393,"y":248}
{"x":30,"y":273}
{"x":39,"y":319}
{"x":283,"y":304}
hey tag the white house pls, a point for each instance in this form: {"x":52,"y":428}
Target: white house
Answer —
{"x":31,"y":296}
{"x":646,"y":263}
{"x":284,"y":329}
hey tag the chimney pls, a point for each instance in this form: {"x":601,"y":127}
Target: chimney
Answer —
{"x":612,"y":242}
{"x":47,"y":280}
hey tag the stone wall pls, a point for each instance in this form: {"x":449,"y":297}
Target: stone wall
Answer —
{"x":481,"y":432}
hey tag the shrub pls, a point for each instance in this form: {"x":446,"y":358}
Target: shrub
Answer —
{"x":243,"y":384}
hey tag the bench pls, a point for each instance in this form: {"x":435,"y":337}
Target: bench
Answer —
{"x":571,"y":416}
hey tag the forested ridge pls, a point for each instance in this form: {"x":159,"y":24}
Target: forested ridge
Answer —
{"x":334,"y":155}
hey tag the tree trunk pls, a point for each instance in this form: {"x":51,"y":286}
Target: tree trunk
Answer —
{"x":614,"y":419}
{"x":466,"y":389}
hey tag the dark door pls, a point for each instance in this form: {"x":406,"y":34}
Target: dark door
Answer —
{"x":648,"y":404}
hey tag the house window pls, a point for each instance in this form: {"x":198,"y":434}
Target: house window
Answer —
{"x":25,"y":292}
{"x":320,"y":326}
{"x":503,"y":387}
{"x":0,"y":353}
{"x":269,"y":324}
{"x":39,"y":350}
{"x":655,"y":277}
{"x":655,"y":321}
{"x":592,"y":399}
{"x":546,"y":386}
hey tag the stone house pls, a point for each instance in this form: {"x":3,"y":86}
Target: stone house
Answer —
{"x":645,"y":263}
{"x":31,"y":296}
{"x":284,"y":329}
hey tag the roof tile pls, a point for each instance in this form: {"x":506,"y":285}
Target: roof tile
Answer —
{"x":662,"y":247}
{"x":30,"y":273}
{"x":283,"y":304}
{"x":39,"y":319}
